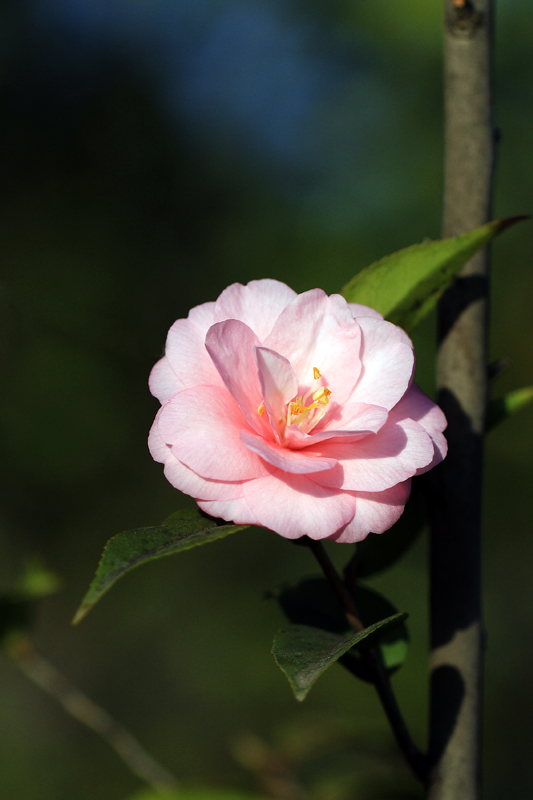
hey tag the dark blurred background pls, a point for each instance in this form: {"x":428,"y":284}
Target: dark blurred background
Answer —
{"x":153,"y":152}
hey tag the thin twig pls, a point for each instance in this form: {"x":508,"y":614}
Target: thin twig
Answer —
{"x":416,"y":760}
{"x":79,"y":706}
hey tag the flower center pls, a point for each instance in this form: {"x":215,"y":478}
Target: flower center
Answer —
{"x":300,"y":411}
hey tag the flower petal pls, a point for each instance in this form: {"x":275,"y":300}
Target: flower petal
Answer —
{"x":296,"y":461}
{"x":202,"y":425}
{"x":375,"y":512}
{"x":417,"y":406}
{"x":349,"y":422}
{"x":202,"y":317}
{"x":388,"y":364}
{"x":359,"y":310}
{"x":163,"y":381}
{"x":231,"y":345}
{"x":183,"y":478}
{"x":378,"y":462}
{"x":278,"y":384}
{"x":236,"y":511}
{"x":188,"y":357}
{"x":294,"y":506}
{"x":258,"y":304}
{"x":158,"y":448}
{"x":261,"y":345}
{"x":319,"y":331}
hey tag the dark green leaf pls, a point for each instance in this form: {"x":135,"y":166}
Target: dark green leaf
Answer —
{"x":406,"y":285}
{"x":181,"y":531}
{"x":312,"y":602}
{"x":378,"y":552}
{"x":303,"y":653}
{"x":503,"y":407}
{"x":393,"y":645}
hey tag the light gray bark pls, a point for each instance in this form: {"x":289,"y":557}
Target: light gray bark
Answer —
{"x":456,"y":615}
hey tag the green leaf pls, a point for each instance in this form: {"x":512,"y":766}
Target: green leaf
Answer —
{"x":312,"y":602}
{"x":378,"y":552}
{"x":502,"y":407}
{"x":393,"y":644}
{"x":181,"y":531}
{"x":303,"y":653}
{"x":406,"y":285}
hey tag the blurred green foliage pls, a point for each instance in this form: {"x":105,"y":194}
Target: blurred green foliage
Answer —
{"x":116,"y":219}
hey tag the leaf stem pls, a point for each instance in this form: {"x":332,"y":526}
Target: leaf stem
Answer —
{"x":348,"y":604}
{"x":416,"y":759}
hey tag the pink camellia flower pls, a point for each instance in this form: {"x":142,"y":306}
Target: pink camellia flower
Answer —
{"x":294,"y":412}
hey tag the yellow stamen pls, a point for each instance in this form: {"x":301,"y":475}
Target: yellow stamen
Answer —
{"x":322,"y":395}
{"x":297,"y":407}
{"x":298,"y":413}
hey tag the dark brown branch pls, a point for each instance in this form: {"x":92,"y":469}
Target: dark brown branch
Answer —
{"x":456,"y":611}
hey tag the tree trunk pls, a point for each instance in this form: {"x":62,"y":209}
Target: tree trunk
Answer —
{"x":456,"y":610}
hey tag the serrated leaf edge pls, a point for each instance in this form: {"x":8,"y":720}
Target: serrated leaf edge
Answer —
{"x":86,"y":604}
{"x":350,"y":641}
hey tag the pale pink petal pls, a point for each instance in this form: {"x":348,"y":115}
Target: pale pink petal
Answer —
{"x":278,"y":384}
{"x":294,"y":506}
{"x":379,"y":461}
{"x":349,"y":422}
{"x":231,"y":345}
{"x":202,"y":425}
{"x":158,"y":449}
{"x":236,"y":511}
{"x":375,"y":512}
{"x":296,"y":461}
{"x":188,"y":482}
{"x":258,"y":304}
{"x":183,"y":478}
{"x":418,"y":406}
{"x":319,"y":331}
{"x":359,"y":310}
{"x":163,"y":381}
{"x":440,"y":445}
{"x":188,"y":357}
{"x":191,"y":332}
{"x":229,"y":372}
{"x":202,"y":317}
{"x":388,"y":364}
